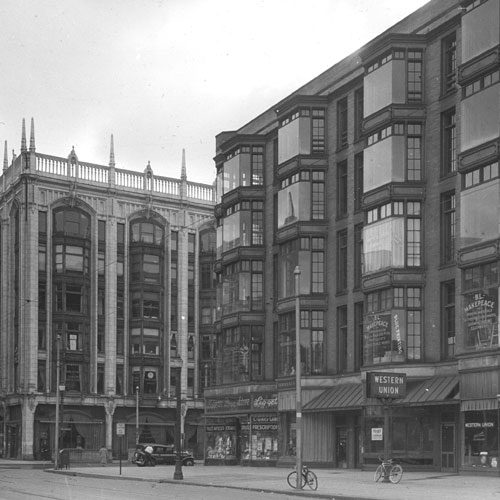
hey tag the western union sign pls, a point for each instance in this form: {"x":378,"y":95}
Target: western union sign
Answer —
{"x":385,"y":385}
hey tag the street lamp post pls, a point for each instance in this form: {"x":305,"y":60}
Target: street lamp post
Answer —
{"x":298,"y":388}
{"x":137,"y":415}
{"x":178,"y":419}
{"x":58,"y":376}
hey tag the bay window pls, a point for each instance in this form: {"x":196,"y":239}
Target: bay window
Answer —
{"x":242,"y":353}
{"x":393,"y":236}
{"x":242,"y":286}
{"x":243,"y":225}
{"x":308,"y":253}
{"x":244,"y":166}
{"x":312,"y":335}
{"x":479,"y":202}
{"x":301,"y":197}
{"x":303,"y":132}
{"x":393,"y":325}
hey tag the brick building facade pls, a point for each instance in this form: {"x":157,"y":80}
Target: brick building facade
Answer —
{"x":377,"y":180}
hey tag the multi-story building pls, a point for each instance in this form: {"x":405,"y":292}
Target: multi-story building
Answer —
{"x":366,"y":204}
{"x":99,"y":284}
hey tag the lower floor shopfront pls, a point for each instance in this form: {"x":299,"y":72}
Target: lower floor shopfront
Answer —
{"x":29,"y":427}
{"x":430,"y":428}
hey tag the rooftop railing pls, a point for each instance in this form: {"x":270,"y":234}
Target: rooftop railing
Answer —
{"x":53,"y":166}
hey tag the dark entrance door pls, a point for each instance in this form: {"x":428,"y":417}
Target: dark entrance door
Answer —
{"x":341,"y":451}
{"x":448,"y":452}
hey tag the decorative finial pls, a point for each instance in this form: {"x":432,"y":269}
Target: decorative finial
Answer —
{"x":5,"y":157}
{"x":23,"y":137}
{"x":112,"y":153}
{"x":32,"y":136}
{"x":183,"y":170}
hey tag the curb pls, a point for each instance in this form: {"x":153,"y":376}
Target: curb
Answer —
{"x":303,"y":493}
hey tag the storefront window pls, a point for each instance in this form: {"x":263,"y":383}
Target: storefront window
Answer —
{"x":481,"y":434}
{"x":259,"y":438}
{"x":221,"y":441}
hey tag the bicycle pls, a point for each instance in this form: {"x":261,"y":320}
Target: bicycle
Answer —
{"x":390,"y":470}
{"x":308,"y":477}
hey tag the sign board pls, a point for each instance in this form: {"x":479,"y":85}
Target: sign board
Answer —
{"x":385,"y":385}
{"x":377,"y":434}
{"x":120,"y":429}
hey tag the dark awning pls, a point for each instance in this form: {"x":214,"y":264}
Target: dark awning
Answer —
{"x":434,"y":391}
{"x":341,"y":397}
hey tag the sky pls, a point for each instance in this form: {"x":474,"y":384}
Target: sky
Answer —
{"x":166,"y":75}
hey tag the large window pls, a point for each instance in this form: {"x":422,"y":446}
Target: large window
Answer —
{"x":393,"y":325}
{"x":302,"y":132}
{"x":342,"y":261}
{"x":449,"y":72}
{"x":479,"y":202}
{"x":243,"y":225}
{"x":312,"y":333}
{"x":342,"y":189}
{"x":147,"y":232}
{"x":481,"y":439}
{"x":449,"y":142}
{"x":393,"y":154}
{"x":448,"y":227}
{"x":71,"y":258}
{"x":480,"y":107}
{"x":71,"y":222}
{"x":301,"y":197}
{"x":243,"y":286}
{"x":448,"y":319}
{"x":242,"y":354}
{"x":70,"y":298}
{"x":393,"y":236}
{"x":244,"y":166}
{"x":480,"y":301}
{"x":342,"y":347}
{"x":414,"y":75}
{"x":342,"y":123}
{"x":358,"y":114}
{"x":414,"y":152}
{"x":358,"y":181}
{"x":309,"y":254}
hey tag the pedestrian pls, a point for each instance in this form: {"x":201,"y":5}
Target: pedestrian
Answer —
{"x":103,"y":455}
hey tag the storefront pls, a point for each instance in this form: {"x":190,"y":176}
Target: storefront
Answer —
{"x":419,"y":427}
{"x":242,"y":429}
{"x":479,"y":420}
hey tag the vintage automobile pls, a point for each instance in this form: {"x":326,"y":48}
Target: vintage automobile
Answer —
{"x":163,"y":454}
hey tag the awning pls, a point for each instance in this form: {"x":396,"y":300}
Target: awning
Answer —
{"x":341,"y":397}
{"x":434,"y":391}
{"x":479,"y":404}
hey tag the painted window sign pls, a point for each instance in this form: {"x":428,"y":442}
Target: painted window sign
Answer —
{"x":481,"y":318}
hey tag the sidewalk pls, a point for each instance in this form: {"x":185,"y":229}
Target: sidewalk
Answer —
{"x":334,"y":484}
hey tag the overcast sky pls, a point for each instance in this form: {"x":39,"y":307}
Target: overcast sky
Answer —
{"x":163,"y":75}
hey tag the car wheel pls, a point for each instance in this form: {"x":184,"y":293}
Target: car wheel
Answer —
{"x":189,"y":462}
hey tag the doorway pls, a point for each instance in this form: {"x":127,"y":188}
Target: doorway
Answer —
{"x":448,"y":452}
{"x":341,"y":448}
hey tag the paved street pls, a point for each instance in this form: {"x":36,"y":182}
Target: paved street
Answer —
{"x":206,"y":483}
{"x":333,"y":484}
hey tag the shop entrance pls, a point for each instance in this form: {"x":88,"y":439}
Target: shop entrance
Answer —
{"x":341,"y":448}
{"x":448,"y":452}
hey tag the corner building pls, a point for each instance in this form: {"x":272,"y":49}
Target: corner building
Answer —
{"x":99,"y":270}
{"x":379,"y":181}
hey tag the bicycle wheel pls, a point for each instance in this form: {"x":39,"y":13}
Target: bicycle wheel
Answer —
{"x":292,"y":479}
{"x":311,"y":480}
{"x":396,"y":474}
{"x":378,"y":473}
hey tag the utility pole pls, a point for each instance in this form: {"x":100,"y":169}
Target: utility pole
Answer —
{"x":58,"y":381}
